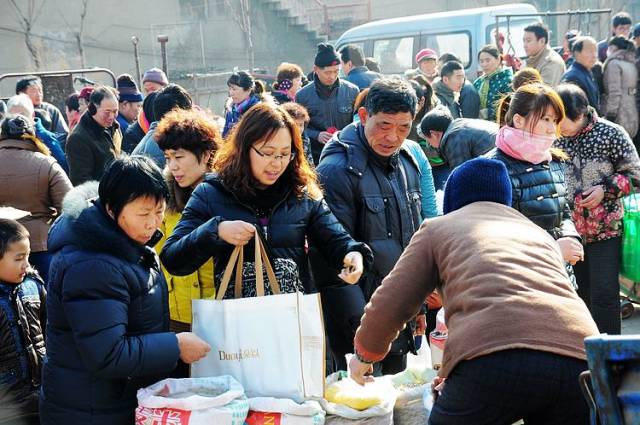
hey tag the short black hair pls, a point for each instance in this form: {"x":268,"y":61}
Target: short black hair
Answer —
{"x":147,"y":106}
{"x":170,"y":97}
{"x":621,"y":43}
{"x":448,"y":57}
{"x":24,"y":83}
{"x":11,"y":231}
{"x":242,"y":79}
{"x":577,"y":43}
{"x":621,"y":18}
{"x":437,"y":119}
{"x":574,"y":99}
{"x":490,"y":49}
{"x":72,"y":102}
{"x":103,"y":92}
{"x":391,"y":96}
{"x":128,"y":179}
{"x":449,"y":67}
{"x":353,"y":53}
{"x":540,"y":30}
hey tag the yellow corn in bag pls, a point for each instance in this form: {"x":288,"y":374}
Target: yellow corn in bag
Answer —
{"x":348,"y":393}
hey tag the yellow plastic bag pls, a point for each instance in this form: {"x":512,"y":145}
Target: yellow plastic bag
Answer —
{"x":348,"y":393}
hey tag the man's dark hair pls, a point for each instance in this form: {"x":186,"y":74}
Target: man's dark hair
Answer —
{"x":171,"y":97}
{"x":24,"y":83}
{"x":128,"y":179}
{"x":11,"y":231}
{"x":72,"y":102}
{"x":449,"y":67}
{"x":102,"y":92}
{"x":437,"y":119}
{"x":448,"y":57}
{"x":577,"y":44}
{"x":574,"y":99}
{"x":540,"y":30}
{"x":621,"y":18}
{"x":353,"y":53}
{"x":391,"y":96}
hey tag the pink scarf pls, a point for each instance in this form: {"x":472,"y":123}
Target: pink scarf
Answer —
{"x":525,"y":146}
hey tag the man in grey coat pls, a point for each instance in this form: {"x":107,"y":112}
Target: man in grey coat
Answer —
{"x":328,"y":99}
{"x":457,"y":140}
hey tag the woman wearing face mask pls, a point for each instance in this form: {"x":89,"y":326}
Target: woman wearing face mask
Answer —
{"x":620,"y":80}
{"x":189,"y":142}
{"x":244,"y":92}
{"x":262,"y":180}
{"x":603,"y":168}
{"x":536,"y":173}
{"x":107,"y":314}
{"x":494,"y":83}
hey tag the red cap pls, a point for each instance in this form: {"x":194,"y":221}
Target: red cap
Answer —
{"x":426,"y":54}
{"x":85,"y":93}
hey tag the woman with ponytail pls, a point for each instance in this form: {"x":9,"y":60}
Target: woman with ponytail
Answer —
{"x":535,"y":169}
{"x":244,"y":92}
{"x":288,"y":82}
{"x":31,"y":180}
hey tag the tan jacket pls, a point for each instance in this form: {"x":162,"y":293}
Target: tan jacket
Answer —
{"x":34,"y":182}
{"x":549,"y":64}
{"x":620,"y":80}
{"x":503,"y":286}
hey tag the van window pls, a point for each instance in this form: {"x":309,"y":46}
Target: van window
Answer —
{"x":513,"y":37}
{"x":456,"y":43}
{"x":394,"y":55}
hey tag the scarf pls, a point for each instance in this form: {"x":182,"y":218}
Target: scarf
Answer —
{"x":484,"y":88}
{"x":323,"y":91}
{"x":264,"y":200}
{"x":143,"y":122}
{"x":523,"y":145}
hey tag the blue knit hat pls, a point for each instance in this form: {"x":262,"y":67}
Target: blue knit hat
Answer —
{"x":479,"y":179}
{"x":128,"y":89}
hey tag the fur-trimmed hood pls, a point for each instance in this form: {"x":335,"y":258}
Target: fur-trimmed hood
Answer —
{"x":85,"y":224}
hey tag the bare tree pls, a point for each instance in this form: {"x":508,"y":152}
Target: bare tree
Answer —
{"x":79,"y":33}
{"x":243,"y":19}
{"x":27,"y":20}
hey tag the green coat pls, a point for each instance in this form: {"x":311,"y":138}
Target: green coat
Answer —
{"x":499,"y":85}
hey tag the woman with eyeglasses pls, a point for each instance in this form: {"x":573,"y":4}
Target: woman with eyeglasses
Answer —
{"x":264,"y":181}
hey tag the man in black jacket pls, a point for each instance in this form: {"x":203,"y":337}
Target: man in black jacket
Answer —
{"x":328,"y":99}
{"x":372,"y":184}
{"x":457,"y":140}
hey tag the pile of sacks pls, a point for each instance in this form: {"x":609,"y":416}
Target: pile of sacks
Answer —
{"x":389,"y":400}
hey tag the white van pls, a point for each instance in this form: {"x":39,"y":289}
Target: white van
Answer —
{"x":395,"y":42}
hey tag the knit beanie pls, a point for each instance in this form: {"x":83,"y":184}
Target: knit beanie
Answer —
{"x":128,"y":89}
{"x":326,"y":56}
{"x":479,"y":179}
{"x":155,"y":75}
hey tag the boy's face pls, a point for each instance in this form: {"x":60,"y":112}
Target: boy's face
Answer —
{"x":14,"y":262}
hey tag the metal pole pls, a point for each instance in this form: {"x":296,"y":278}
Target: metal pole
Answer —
{"x":204,"y":60}
{"x":163,"y":39}
{"x":136,"y":55}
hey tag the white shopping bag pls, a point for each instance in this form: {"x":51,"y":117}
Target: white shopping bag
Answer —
{"x":192,"y":401}
{"x":273,"y":345}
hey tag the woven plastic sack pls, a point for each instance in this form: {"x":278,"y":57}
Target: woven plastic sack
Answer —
{"x":268,"y":410}
{"x":410,"y":386}
{"x":630,"y":265}
{"x":382,"y":414}
{"x":192,"y":401}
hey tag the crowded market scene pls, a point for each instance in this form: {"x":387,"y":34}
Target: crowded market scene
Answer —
{"x":306,"y":212}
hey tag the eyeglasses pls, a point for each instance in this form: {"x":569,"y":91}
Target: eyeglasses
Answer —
{"x":273,"y":158}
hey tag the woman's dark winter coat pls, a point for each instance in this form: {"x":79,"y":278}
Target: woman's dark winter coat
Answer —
{"x":107,"y":305}
{"x":195,"y":238}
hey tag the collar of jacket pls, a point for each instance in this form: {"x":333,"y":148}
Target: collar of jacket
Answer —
{"x":353,"y":141}
{"x":26,"y":145}
{"x":581,"y":68}
{"x":359,"y":70}
{"x":441,"y":89}
{"x":85,"y":223}
{"x":92,"y":125}
{"x":533,"y":61}
{"x":323,"y":90}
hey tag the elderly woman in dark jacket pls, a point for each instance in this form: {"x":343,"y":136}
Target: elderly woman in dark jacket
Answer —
{"x":108,"y":315}
{"x":263,"y":181}
{"x":536,"y":173}
{"x":603,"y":168}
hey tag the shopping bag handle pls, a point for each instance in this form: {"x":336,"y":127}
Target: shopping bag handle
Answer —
{"x":236,"y":262}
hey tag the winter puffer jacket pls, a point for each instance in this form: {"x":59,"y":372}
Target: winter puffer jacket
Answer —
{"x":107,"y":334}
{"x":22,"y":350}
{"x":620,"y":79}
{"x":195,"y":238}
{"x":540,"y":193}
